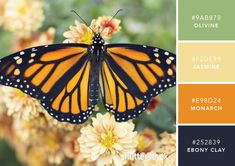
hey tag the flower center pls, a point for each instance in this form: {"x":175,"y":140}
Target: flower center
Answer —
{"x":22,"y":8}
{"x":143,"y":143}
{"x":107,"y":139}
{"x":86,"y":38}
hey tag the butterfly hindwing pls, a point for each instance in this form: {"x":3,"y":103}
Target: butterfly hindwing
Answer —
{"x":132,"y":74}
{"x":117,"y":98}
{"x":56,"y":75}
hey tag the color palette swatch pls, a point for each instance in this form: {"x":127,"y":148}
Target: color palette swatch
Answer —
{"x":206,"y":89}
{"x":206,"y":20}
{"x":206,"y":61}
{"x":206,"y":103}
{"x":206,"y":145}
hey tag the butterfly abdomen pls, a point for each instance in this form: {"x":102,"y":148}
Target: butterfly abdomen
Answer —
{"x":94,"y":83}
{"x":94,"y":93}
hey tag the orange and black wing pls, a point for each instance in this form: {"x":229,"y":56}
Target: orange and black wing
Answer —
{"x":57,"y":75}
{"x":132,"y":74}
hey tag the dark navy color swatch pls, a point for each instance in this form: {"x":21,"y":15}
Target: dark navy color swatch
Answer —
{"x":206,"y":145}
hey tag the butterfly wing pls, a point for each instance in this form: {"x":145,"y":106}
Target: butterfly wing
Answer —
{"x":131,"y":75}
{"x":57,"y":75}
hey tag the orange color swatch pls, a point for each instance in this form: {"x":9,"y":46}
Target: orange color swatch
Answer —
{"x":206,"y":103}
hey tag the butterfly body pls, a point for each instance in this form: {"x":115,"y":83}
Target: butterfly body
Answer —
{"x":67,"y":78}
{"x":96,"y":53}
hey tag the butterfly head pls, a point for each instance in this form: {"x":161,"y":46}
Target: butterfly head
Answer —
{"x":97,"y":39}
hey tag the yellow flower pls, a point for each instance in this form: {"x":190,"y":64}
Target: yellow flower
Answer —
{"x":146,"y":140}
{"x":36,"y":133}
{"x":20,"y":105}
{"x":106,"y":140}
{"x":79,"y":33}
{"x":112,"y":26}
{"x":23,"y":16}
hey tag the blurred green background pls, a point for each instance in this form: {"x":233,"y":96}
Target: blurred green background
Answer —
{"x":148,"y":22}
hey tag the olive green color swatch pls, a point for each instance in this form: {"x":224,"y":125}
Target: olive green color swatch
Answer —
{"x":206,"y":20}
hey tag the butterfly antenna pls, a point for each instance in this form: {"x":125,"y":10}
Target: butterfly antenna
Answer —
{"x":82,"y":20}
{"x":119,"y":10}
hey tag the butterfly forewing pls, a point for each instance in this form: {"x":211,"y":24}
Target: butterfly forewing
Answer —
{"x":57,"y":75}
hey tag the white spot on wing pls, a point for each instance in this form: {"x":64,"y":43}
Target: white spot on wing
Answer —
{"x":167,"y":53}
{"x":156,"y":50}
{"x":34,"y":49}
{"x":16,"y":57}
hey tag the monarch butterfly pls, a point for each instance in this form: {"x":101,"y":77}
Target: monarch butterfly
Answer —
{"x":66,"y":78}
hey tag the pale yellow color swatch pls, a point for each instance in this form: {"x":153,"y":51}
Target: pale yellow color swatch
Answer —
{"x":206,"y":62}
